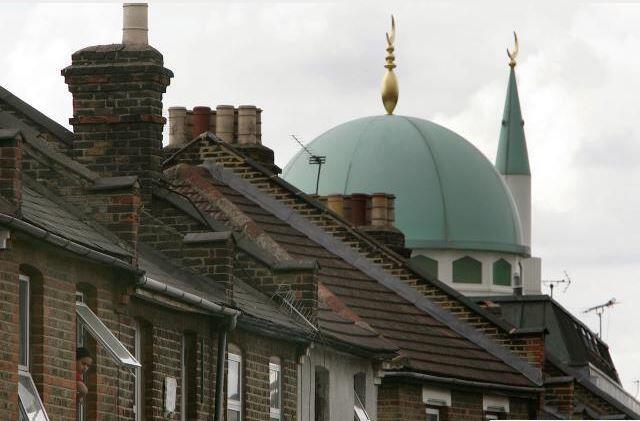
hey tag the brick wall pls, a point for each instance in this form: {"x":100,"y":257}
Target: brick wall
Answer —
{"x":256,"y":352}
{"x":560,"y":396}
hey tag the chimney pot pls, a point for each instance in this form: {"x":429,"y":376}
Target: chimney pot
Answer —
{"x":224,"y":122}
{"x":335,"y":202}
{"x":177,"y":121}
{"x":200,"y":120}
{"x":359,"y":209}
{"x":135,"y":23}
{"x":247,"y":125}
{"x":379,"y":210}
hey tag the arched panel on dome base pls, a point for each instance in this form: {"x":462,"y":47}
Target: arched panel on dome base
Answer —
{"x":502,"y":273}
{"x":467,"y":270}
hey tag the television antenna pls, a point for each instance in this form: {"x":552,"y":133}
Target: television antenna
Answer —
{"x":599,"y":310}
{"x":553,"y":282}
{"x":314,"y":159}
{"x":637,"y":383}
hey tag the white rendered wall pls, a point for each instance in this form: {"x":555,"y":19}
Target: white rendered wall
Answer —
{"x":342,"y":367}
{"x":520,"y":186}
{"x":446,"y":258}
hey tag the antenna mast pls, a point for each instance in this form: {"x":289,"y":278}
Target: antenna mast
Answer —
{"x":314,"y":159}
{"x":599,"y":310}
{"x":553,"y":282}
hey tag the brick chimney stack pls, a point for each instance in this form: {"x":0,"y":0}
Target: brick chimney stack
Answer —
{"x":117,"y":103}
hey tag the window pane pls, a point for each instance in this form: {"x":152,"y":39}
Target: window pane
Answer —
{"x":103,"y":335}
{"x":432,"y":417}
{"x":274,"y":388}
{"x":24,"y":322}
{"x":233,"y":415}
{"x":233,"y":382}
{"x":29,"y":399}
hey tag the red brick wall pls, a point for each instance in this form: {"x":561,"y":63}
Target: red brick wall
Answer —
{"x":256,"y":352}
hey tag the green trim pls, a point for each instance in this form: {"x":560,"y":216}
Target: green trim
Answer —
{"x":512,"y":157}
{"x":467,"y":270}
{"x":502,"y":273}
{"x":468,"y":245}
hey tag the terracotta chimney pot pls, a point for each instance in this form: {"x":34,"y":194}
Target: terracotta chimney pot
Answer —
{"x":200,"y":120}
{"x":359,"y":209}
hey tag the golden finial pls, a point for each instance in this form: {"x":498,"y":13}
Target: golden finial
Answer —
{"x":389,"y":82}
{"x":514,"y":54}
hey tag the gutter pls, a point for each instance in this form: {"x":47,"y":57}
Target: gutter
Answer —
{"x":66,"y":244}
{"x":460,"y":382}
{"x":157,"y":286}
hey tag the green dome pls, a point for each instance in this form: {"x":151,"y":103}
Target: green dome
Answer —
{"x":448,"y":195}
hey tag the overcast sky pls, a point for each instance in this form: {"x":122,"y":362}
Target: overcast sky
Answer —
{"x":311,"y":66}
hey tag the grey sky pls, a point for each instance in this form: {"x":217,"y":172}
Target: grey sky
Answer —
{"x":311,"y":66}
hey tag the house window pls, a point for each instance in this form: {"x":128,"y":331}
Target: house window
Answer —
{"x":31,"y":407}
{"x":502,"y":273}
{"x":322,"y":394}
{"x":437,"y":400}
{"x":495,"y":407}
{"x":359,"y":397}
{"x":105,"y":337}
{"x":275,"y":389}
{"x":467,"y":270}
{"x":433,"y":413}
{"x":234,"y":384}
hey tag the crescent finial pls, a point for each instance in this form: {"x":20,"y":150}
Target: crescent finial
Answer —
{"x":389,"y":81}
{"x":514,"y":54}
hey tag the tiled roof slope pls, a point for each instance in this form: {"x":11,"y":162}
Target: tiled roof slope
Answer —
{"x":41,"y":208}
{"x":225,"y":155}
{"x":428,"y":344}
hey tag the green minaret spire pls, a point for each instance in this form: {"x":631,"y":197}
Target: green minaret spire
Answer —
{"x":512,"y":155}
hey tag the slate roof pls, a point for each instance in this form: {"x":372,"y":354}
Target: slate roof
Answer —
{"x":568,"y":339}
{"x":44,"y":210}
{"x":429,"y":345}
{"x":33,"y":115}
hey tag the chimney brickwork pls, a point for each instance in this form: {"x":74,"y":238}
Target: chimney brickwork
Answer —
{"x":117,"y":109}
{"x":371,"y":213}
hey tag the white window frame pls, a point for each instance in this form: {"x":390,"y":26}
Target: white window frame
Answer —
{"x":435,"y":396}
{"x":494,"y":405}
{"x":433,"y":411}
{"x":105,"y":337}
{"x":359,"y":410}
{"x":276,"y":413}
{"x":27,"y":329}
{"x":24,"y":393}
{"x":232,"y":404}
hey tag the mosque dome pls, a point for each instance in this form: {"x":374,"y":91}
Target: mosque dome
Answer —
{"x":448,"y":194}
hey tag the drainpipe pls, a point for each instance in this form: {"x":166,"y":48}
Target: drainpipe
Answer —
{"x":222,"y":347}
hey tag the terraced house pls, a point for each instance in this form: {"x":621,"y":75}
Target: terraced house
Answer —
{"x":205,"y":287}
